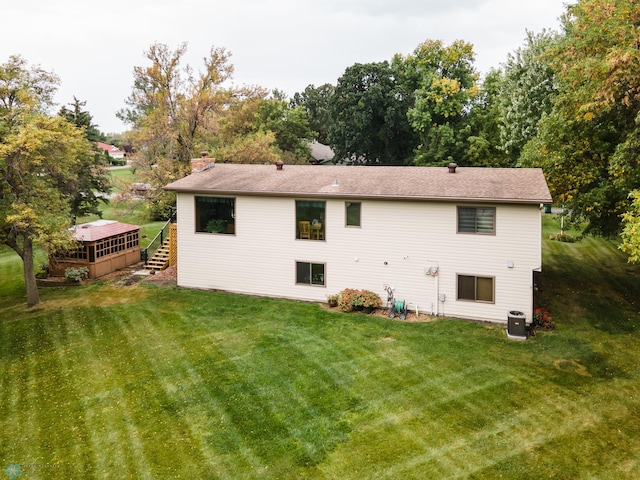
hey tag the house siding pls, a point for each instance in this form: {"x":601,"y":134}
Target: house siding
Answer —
{"x":396,"y":242}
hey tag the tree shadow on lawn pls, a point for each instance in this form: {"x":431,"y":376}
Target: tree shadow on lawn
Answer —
{"x":604,"y":296}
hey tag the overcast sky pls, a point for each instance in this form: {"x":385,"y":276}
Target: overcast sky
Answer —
{"x":283,"y":44}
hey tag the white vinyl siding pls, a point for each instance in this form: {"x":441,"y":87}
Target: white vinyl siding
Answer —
{"x":397,"y":243}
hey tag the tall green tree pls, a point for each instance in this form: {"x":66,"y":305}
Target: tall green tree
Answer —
{"x":443,"y":83}
{"x":289,"y":125}
{"x":369,"y":116}
{"x":588,"y":143}
{"x":39,"y":164}
{"x":526,"y":92}
{"x":316,"y":103}
{"x":83,"y":119}
{"x":485,"y":116}
{"x":93,"y":178}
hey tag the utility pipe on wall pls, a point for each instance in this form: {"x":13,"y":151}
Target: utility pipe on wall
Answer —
{"x":437,"y":286}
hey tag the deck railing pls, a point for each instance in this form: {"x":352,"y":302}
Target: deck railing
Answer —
{"x":147,"y":252}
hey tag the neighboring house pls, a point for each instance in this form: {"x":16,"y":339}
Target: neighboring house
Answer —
{"x":113,"y":151}
{"x":460,"y":242}
{"x":106,"y":246}
{"x":320,"y":153}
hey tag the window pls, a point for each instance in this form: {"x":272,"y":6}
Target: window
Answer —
{"x":476,"y":220}
{"x":310,"y":220}
{"x":215,"y":214}
{"x":310,"y":273}
{"x":352,"y":213}
{"x":477,"y":289}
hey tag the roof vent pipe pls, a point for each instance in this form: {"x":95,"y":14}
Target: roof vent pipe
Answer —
{"x":452,"y":167}
{"x":279,"y":165}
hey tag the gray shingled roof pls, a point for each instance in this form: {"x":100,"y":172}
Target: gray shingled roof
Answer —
{"x":504,"y":185}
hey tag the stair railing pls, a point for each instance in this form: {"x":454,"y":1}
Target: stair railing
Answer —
{"x":157,"y":240}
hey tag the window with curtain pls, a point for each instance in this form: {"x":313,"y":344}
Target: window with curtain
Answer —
{"x":476,"y":220}
{"x":215,"y":214}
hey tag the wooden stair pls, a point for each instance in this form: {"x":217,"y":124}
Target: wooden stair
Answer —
{"x":160,"y":259}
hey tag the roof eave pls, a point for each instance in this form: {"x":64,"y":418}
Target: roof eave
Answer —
{"x":420,"y":198}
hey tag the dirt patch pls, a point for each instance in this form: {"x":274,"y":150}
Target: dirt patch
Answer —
{"x":167,"y":277}
{"x":383,"y":312}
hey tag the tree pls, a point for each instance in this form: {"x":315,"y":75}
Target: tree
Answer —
{"x":316,"y":103}
{"x":369,"y":112}
{"x":483,"y":143}
{"x":588,"y":142}
{"x":526,"y":92}
{"x":257,"y":129}
{"x":631,"y":231}
{"x":83,"y":119}
{"x":443,"y":82}
{"x":92,"y":178}
{"x":289,"y":125}
{"x":39,"y":158}
{"x":171,"y":109}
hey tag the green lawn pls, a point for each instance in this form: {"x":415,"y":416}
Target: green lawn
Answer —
{"x":142,"y":381}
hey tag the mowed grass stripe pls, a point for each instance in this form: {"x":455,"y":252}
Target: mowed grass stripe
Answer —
{"x":183,"y":386}
{"x":101,"y":414}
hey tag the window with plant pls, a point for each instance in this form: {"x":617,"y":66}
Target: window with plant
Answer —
{"x":215,"y":214}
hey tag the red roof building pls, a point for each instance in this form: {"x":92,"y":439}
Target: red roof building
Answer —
{"x":112,"y":150}
{"x":107,"y":246}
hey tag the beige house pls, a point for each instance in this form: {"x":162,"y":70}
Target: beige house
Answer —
{"x":460,"y":242}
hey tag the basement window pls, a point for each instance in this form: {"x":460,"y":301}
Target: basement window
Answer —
{"x":476,"y":289}
{"x":308,"y":273}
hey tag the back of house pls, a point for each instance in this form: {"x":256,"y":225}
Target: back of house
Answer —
{"x":455,"y":241}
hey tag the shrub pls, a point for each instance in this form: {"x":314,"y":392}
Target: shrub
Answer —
{"x":563,"y":237}
{"x":542,"y":319}
{"x":351,"y":299}
{"x":43,"y":271}
{"x":76,"y":274}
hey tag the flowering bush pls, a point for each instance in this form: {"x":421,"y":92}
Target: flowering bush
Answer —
{"x":351,"y":299}
{"x":542,"y":319}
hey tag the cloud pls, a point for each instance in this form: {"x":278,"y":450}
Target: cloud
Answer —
{"x":283,"y":44}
